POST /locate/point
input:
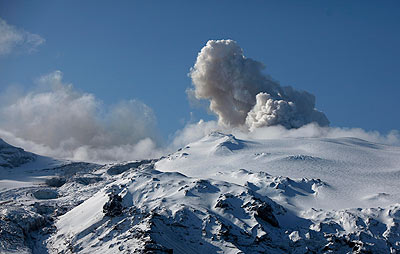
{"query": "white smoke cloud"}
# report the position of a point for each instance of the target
(223, 75)
(12, 38)
(57, 120)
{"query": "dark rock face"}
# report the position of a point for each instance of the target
(264, 212)
(88, 180)
(154, 248)
(120, 168)
(45, 194)
(114, 206)
(55, 181)
(11, 156)
(16, 227)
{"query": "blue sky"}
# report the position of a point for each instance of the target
(344, 52)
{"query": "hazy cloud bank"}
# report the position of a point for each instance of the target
(195, 131)
(57, 120)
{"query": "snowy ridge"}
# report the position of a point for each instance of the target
(11, 157)
(221, 194)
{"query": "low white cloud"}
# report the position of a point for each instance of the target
(313, 130)
(12, 38)
(193, 132)
(57, 120)
(196, 131)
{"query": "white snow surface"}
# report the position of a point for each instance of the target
(220, 194)
(354, 173)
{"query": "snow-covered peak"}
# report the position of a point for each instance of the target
(11, 157)
(221, 143)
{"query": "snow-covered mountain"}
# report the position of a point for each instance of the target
(220, 194)
(11, 156)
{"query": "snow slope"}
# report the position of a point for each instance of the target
(355, 173)
(220, 194)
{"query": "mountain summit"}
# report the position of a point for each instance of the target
(11, 156)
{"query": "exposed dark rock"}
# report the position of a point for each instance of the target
(55, 181)
(45, 194)
(264, 212)
(120, 168)
(221, 204)
(154, 248)
(43, 209)
(16, 227)
(73, 168)
(224, 201)
(114, 206)
(11, 156)
(88, 180)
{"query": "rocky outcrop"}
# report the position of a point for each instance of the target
(11, 157)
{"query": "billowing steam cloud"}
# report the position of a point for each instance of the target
(240, 94)
(57, 120)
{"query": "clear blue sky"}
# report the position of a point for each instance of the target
(347, 53)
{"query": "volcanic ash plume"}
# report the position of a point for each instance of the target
(242, 95)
